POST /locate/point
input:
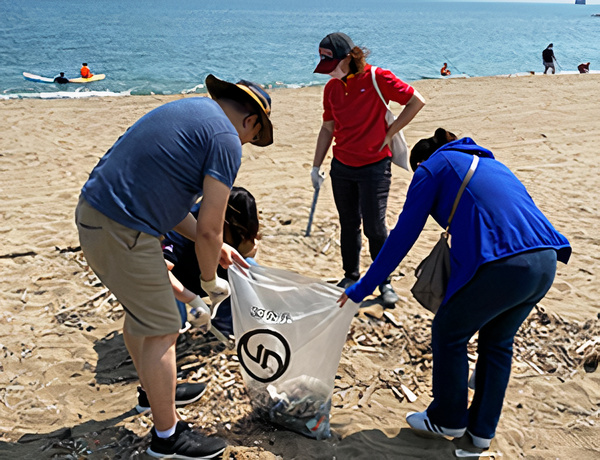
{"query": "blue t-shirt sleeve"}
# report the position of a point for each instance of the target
(419, 200)
(225, 158)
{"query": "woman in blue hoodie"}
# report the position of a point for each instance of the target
(503, 261)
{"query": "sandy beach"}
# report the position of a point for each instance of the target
(67, 388)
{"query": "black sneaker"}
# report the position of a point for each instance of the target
(185, 443)
(185, 393)
(388, 296)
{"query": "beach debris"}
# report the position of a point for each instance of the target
(392, 318)
(301, 404)
(367, 395)
(535, 367)
(398, 393)
(409, 394)
(374, 310)
(461, 453)
(587, 344)
(68, 249)
(14, 255)
(558, 347)
(70, 449)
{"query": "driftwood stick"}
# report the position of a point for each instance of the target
(14, 255)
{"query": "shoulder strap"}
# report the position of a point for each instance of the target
(462, 188)
(373, 69)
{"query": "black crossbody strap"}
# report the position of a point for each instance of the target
(465, 181)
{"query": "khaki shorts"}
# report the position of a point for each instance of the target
(130, 263)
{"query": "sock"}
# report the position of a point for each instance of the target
(167, 433)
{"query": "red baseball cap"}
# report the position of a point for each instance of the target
(332, 49)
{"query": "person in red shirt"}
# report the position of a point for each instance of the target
(85, 71)
(354, 116)
(445, 71)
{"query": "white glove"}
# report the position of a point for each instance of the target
(202, 313)
(317, 177)
(217, 289)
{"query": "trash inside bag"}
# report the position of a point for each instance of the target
(289, 334)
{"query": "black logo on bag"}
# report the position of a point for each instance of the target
(270, 316)
(264, 354)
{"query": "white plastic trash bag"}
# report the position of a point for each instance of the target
(290, 333)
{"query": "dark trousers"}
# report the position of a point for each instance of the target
(361, 195)
(495, 303)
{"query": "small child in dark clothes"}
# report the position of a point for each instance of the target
(240, 231)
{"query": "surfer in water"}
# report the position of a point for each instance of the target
(445, 71)
(85, 71)
(61, 78)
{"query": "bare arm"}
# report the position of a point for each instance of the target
(209, 227)
(182, 293)
(323, 142)
(187, 227)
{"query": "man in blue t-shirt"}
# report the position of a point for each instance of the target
(143, 187)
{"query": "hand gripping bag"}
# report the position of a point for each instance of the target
(289, 334)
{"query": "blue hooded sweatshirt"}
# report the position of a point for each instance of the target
(496, 217)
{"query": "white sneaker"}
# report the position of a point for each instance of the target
(481, 443)
(420, 421)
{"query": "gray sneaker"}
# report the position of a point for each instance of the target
(388, 296)
(481, 443)
(420, 421)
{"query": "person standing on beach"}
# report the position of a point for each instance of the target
(354, 116)
(548, 59)
(145, 186)
(503, 259)
(85, 71)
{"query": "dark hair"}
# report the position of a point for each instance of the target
(426, 147)
(359, 59)
(241, 216)
(85, 63)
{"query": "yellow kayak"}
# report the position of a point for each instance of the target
(96, 77)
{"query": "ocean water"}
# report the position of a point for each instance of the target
(168, 47)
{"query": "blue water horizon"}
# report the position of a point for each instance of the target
(152, 47)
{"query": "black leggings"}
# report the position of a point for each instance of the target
(361, 195)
